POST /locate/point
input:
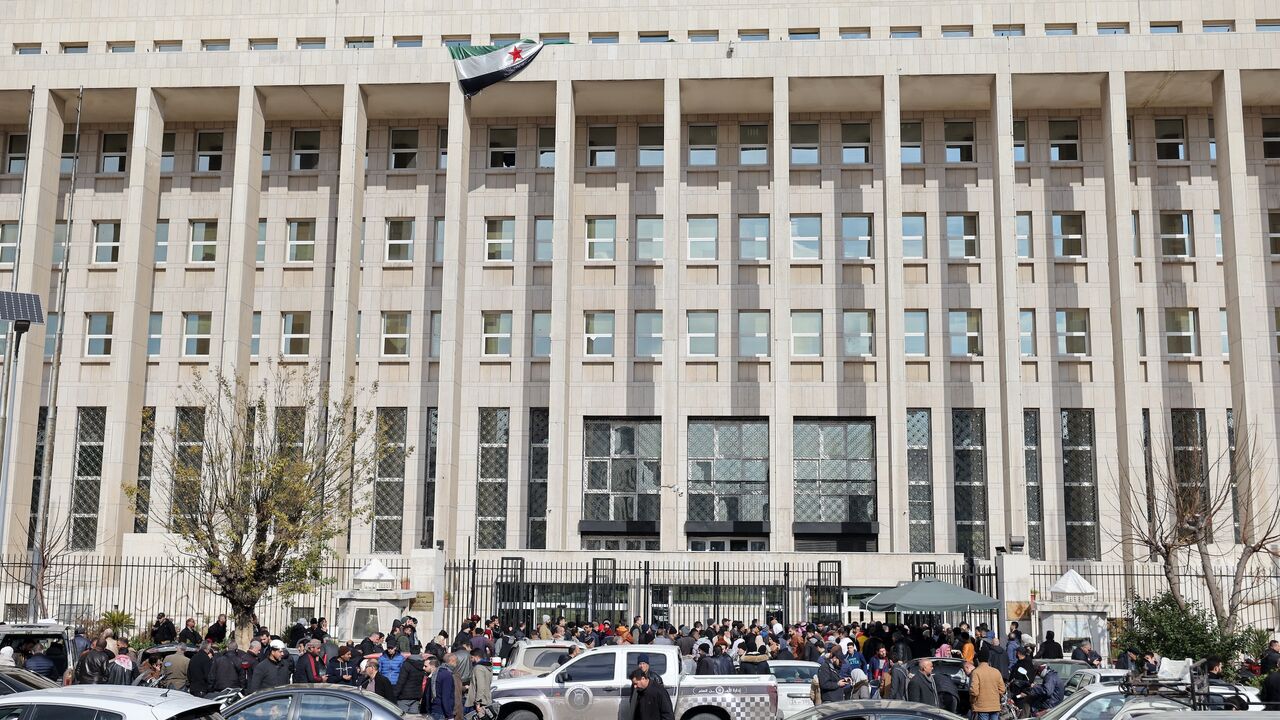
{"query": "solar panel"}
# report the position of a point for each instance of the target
(16, 306)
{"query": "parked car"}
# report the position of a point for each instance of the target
(594, 685)
(1065, 667)
(795, 678)
(1092, 676)
(1105, 702)
(954, 667)
(16, 680)
(109, 702)
(534, 657)
(875, 710)
(303, 702)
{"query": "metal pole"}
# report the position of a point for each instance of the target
(41, 531)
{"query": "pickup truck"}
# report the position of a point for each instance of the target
(594, 686)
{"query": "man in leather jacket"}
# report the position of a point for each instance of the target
(93, 667)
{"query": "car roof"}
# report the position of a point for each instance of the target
(10, 628)
(116, 697)
(547, 643)
(875, 705)
(793, 663)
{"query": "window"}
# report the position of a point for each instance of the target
(500, 236)
(915, 332)
(442, 148)
(75, 48)
(86, 486)
(161, 252)
(435, 334)
(702, 333)
(962, 235)
(155, 329)
(1142, 333)
(1273, 231)
(753, 35)
(404, 148)
(546, 147)
(26, 49)
(1213, 141)
(702, 145)
(855, 33)
(1166, 28)
(728, 470)
(1267, 26)
(599, 334)
(602, 146)
(400, 233)
(542, 239)
(1034, 483)
(957, 31)
(1027, 333)
(806, 333)
(649, 238)
(209, 152)
(16, 154)
(904, 33)
(497, 334)
(306, 150)
(1019, 141)
(1079, 485)
(1008, 31)
(438, 241)
(959, 136)
(204, 241)
(1060, 29)
(1175, 234)
(859, 333)
(395, 334)
(855, 237)
(753, 237)
(1064, 140)
(651, 143)
(359, 43)
(1068, 234)
(1219, 26)
(602, 38)
(1171, 139)
(456, 40)
(1226, 336)
(855, 143)
(302, 240)
(1217, 231)
(648, 334)
(503, 40)
(1022, 233)
(215, 45)
(97, 336)
(106, 242)
(197, 327)
(266, 151)
(753, 144)
(295, 334)
(968, 449)
(834, 470)
(541, 345)
(965, 328)
(264, 44)
(1113, 28)
(50, 334)
(255, 336)
(753, 333)
(261, 250)
(654, 37)
(703, 232)
(600, 236)
(912, 143)
(406, 41)
(491, 488)
(1271, 138)
(59, 243)
(920, 480)
(802, 34)
(804, 143)
(1180, 329)
(702, 36)
(8, 242)
(115, 147)
(1137, 236)
(70, 154)
(502, 147)
(1072, 329)
(313, 43)
(622, 470)
(913, 226)
(806, 237)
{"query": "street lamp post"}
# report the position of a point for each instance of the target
(21, 310)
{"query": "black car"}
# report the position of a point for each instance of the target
(953, 667)
(304, 702)
(16, 680)
(874, 710)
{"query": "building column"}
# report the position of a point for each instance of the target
(44, 156)
(782, 503)
(1009, 358)
(897, 529)
(564, 485)
(246, 197)
(1126, 375)
(673, 449)
(1249, 310)
(451, 524)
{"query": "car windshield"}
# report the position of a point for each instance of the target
(1065, 708)
(794, 673)
(1088, 706)
(26, 677)
(541, 659)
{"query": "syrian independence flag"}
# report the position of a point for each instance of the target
(480, 66)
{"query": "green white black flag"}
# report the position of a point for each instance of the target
(479, 66)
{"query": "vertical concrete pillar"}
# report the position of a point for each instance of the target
(246, 197)
(563, 483)
(673, 457)
(782, 504)
(895, 522)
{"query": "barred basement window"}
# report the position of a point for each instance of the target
(429, 482)
(1235, 482)
(37, 470)
(539, 449)
(920, 480)
(388, 484)
(1191, 464)
(622, 467)
(1035, 483)
(491, 490)
(86, 484)
(835, 470)
(728, 470)
(1079, 484)
(968, 447)
(146, 452)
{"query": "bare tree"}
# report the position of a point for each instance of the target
(52, 564)
(262, 480)
(1206, 513)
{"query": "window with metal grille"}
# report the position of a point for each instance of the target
(728, 470)
(539, 449)
(622, 459)
(1191, 466)
(969, 453)
(919, 480)
(1079, 484)
(86, 484)
(1035, 483)
(37, 471)
(146, 452)
(1235, 482)
(429, 482)
(388, 484)
(491, 490)
(835, 469)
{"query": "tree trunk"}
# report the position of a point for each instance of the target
(243, 616)
(1172, 576)
(1211, 581)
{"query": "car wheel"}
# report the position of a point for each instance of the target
(522, 715)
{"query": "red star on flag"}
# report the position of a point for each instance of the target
(515, 53)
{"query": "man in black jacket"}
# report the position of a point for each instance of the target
(922, 689)
(377, 683)
(371, 645)
(226, 671)
(1085, 652)
(217, 632)
(830, 684)
(162, 630)
(93, 667)
(648, 701)
(274, 671)
(189, 635)
(408, 687)
(311, 665)
(200, 670)
(1050, 649)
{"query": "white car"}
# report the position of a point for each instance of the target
(795, 679)
(1095, 676)
(1108, 702)
(107, 702)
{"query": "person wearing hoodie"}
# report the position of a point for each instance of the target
(408, 686)
(480, 693)
(340, 670)
(226, 671)
(390, 662)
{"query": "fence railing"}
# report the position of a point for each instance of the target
(975, 575)
(81, 588)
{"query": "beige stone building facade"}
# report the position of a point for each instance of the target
(855, 277)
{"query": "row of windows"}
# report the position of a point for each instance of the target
(695, 36)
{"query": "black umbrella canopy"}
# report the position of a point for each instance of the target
(930, 596)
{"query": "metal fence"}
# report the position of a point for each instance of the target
(975, 575)
(81, 588)
(607, 589)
